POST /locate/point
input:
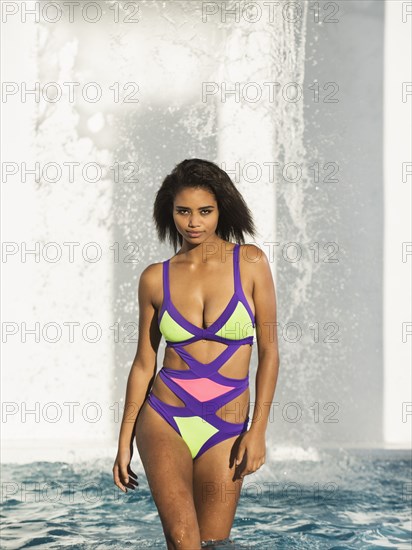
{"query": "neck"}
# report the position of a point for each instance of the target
(212, 248)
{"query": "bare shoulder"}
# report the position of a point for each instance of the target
(260, 273)
(150, 283)
(254, 265)
(151, 271)
(254, 257)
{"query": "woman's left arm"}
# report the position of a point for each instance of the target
(252, 448)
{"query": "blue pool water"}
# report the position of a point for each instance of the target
(331, 500)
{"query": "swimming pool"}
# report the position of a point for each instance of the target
(319, 499)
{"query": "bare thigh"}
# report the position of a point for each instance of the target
(216, 492)
(168, 465)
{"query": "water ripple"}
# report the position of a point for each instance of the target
(367, 505)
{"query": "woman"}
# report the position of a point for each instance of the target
(191, 420)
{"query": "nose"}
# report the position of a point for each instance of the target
(193, 220)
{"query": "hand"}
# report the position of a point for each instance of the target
(251, 453)
(123, 475)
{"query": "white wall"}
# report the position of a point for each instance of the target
(397, 332)
(170, 123)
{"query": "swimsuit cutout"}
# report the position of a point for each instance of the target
(202, 388)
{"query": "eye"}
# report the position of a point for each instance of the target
(183, 211)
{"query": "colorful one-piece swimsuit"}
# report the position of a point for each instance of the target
(202, 388)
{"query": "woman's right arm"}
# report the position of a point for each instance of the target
(141, 376)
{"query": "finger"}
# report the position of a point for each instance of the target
(131, 472)
(240, 455)
(117, 480)
(244, 472)
(133, 478)
(248, 470)
(123, 474)
(132, 483)
(121, 487)
(129, 478)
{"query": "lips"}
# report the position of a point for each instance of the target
(193, 233)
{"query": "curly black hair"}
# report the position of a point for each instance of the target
(235, 218)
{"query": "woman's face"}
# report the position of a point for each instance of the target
(195, 214)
